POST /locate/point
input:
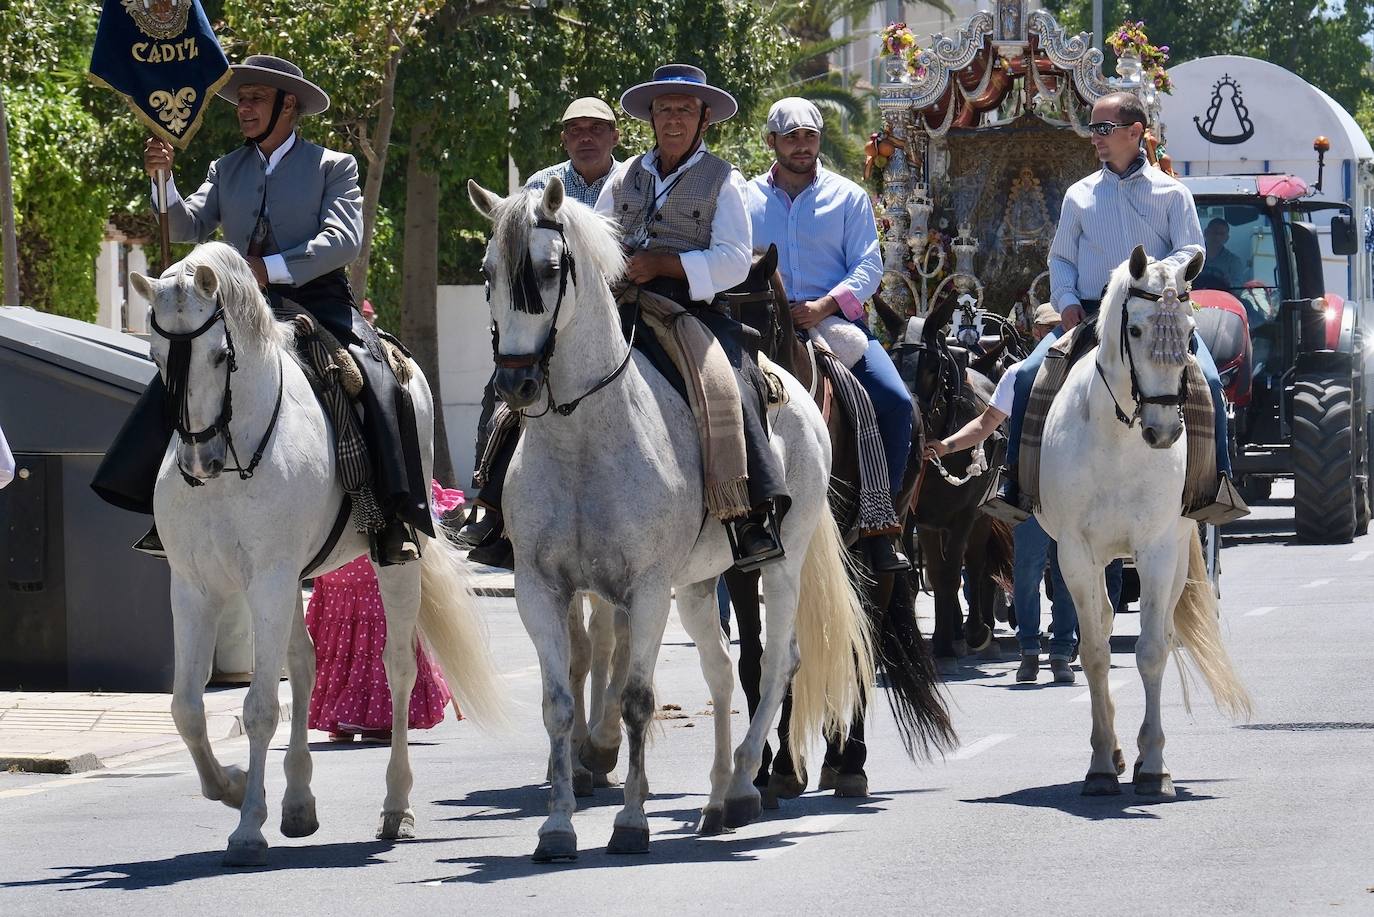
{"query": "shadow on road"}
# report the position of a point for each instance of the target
(1068, 798)
(1259, 531)
(531, 801)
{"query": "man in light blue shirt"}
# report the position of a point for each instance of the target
(827, 239)
(590, 137)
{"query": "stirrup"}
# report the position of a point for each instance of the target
(1000, 506)
(751, 562)
(1227, 506)
(151, 544)
(396, 543)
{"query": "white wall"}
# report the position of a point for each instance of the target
(465, 365)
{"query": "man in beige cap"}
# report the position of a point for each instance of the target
(590, 137)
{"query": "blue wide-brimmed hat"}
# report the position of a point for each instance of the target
(679, 79)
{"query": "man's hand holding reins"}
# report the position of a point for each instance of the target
(809, 314)
(1071, 315)
(646, 266)
(157, 154)
(936, 449)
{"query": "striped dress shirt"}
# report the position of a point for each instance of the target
(1107, 215)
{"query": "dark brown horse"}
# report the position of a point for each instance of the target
(909, 674)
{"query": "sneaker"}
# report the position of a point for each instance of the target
(1029, 670)
(1063, 675)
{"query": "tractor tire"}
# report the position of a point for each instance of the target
(1364, 494)
(1324, 460)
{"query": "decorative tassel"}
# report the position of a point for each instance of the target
(1166, 332)
(728, 500)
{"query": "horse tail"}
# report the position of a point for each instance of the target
(835, 677)
(913, 693)
(452, 627)
(1001, 550)
(1197, 629)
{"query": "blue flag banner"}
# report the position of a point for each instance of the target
(163, 58)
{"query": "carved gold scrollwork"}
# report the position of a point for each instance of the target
(173, 109)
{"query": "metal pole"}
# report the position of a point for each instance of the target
(1097, 24)
(162, 220)
(9, 242)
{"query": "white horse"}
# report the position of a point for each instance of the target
(1113, 492)
(254, 537)
(607, 500)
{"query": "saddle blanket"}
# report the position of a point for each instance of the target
(1199, 420)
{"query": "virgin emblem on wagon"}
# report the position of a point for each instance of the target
(159, 18)
(1208, 127)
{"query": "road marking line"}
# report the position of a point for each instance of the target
(982, 745)
(1112, 685)
(1363, 555)
(1315, 583)
(1262, 610)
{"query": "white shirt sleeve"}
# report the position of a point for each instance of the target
(6, 461)
(1005, 393)
(276, 269)
(172, 194)
(726, 263)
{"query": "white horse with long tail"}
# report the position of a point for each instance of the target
(1117, 492)
(252, 535)
(604, 497)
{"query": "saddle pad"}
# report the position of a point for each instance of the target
(1199, 421)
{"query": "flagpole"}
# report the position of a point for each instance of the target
(162, 219)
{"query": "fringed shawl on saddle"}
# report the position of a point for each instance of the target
(1199, 419)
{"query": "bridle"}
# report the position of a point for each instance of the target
(525, 297)
(178, 411)
(1177, 400)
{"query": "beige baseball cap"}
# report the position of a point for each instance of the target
(1046, 315)
(589, 107)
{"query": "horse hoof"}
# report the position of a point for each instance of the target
(299, 820)
(851, 786)
(556, 847)
(1120, 761)
(946, 665)
(742, 810)
(396, 826)
(768, 799)
(628, 840)
(828, 778)
(787, 786)
(991, 653)
(1101, 785)
(596, 759)
(979, 639)
(583, 784)
(245, 853)
(1154, 785)
(712, 821)
(604, 781)
(960, 648)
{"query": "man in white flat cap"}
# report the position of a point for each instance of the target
(590, 137)
(293, 209)
(827, 239)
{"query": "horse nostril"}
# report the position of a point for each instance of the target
(215, 466)
(1149, 435)
(528, 389)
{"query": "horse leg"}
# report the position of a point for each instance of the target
(581, 647)
(979, 624)
(781, 657)
(544, 612)
(610, 635)
(298, 817)
(1163, 570)
(744, 596)
(701, 617)
(195, 620)
(400, 588)
(1083, 573)
(944, 563)
(273, 597)
(648, 617)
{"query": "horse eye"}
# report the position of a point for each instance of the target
(221, 355)
(1135, 331)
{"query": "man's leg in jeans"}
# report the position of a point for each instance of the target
(1063, 616)
(1209, 370)
(1032, 549)
(1025, 381)
(892, 404)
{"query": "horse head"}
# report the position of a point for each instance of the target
(1145, 323)
(532, 278)
(192, 307)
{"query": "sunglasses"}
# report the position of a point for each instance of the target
(1104, 128)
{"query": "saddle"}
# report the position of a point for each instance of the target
(1200, 483)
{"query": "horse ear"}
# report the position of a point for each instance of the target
(769, 261)
(1193, 268)
(1139, 261)
(938, 318)
(482, 199)
(142, 285)
(553, 197)
(206, 281)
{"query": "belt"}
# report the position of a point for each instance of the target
(1090, 306)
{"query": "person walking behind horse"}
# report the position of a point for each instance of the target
(293, 209)
(827, 239)
(590, 137)
(1033, 548)
(1104, 216)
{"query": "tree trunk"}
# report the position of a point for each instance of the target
(10, 264)
(420, 282)
(375, 150)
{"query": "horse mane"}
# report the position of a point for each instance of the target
(593, 239)
(244, 304)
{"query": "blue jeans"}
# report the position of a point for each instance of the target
(1033, 549)
(1025, 380)
(891, 402)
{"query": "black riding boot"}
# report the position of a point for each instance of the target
(884, 555)
(754, 541)
(396, 543)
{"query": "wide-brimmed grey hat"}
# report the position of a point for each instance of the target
(678, 79)
(266, 70)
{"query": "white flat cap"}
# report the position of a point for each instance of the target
(793, 114)
(589, 107)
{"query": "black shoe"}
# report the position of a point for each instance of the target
(494, 552)
(752, 542)
(151, 544)
(394, 545)
(884, 556)
(475, 531)
(1006, 503)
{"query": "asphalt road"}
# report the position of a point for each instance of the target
(1271, 817)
